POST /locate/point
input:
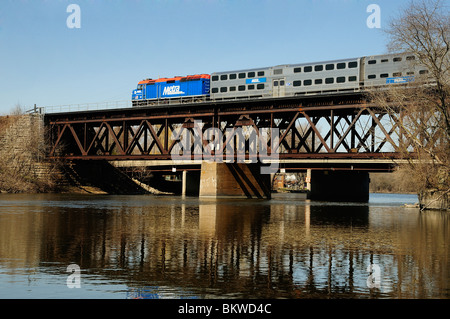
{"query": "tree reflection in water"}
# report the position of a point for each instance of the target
(287, 247)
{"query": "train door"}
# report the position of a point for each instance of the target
(279, 87)
(362, 63)
(144, 91)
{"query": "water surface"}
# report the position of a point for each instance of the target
(172, 247)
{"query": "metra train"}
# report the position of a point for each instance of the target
(330, 77)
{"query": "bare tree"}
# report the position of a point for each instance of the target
(17, 109)
(424, 29)
(421, 108)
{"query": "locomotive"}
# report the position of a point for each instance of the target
(319, 78)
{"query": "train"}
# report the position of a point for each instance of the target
(319, 78)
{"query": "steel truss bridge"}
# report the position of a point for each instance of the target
(323, 132)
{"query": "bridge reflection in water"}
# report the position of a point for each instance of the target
(287, 247)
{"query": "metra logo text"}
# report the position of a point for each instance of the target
(172, 90)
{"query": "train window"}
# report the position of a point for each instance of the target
(372, 76)
(353, 64)
(372, 62)
(318, 81)
(423, 72)
(329, 80)
(384, 60)
(232, 88)
(308, 69)
(397, 74)
(260, 73)
(307, 82)
(260, 86)
(281, 82)
(278, 71)
(233, 76)
(215, 90)
(329, 67)
(410, 73)
(340, 66)
(224, 77)
(215, 78)
(411, 57)
(384, 75)
(171, 81)
(241, 87)
(251, 87)
(251, 74)
(340, 79)
(297, 83)
(297, 70)
(223, 89)
(242, 75)
(352, 78)
(275, 83)
(397, 59)
(318, 68)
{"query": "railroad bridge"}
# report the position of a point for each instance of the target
(233, 147)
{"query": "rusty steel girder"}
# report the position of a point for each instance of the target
(344, 127)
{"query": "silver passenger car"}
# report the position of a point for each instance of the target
(329, 77)
(240, 84)
(288, 80)
(390, 69)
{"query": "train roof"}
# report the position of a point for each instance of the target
(318, 62)
(176, 78)
(286, 65)
(243, 70)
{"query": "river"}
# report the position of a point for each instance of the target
(144, 246)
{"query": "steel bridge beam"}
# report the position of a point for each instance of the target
(331, 127)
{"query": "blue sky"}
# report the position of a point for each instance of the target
(121, 42)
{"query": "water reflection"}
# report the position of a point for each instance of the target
(287, 247)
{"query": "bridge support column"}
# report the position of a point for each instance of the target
(341, 186)
(183, 183)
(237, 180)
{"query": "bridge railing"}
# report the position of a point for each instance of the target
(84, 107)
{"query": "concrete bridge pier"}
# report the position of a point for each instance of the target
(234, 180)
(340, 186)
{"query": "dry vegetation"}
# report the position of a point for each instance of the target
(422, 108)
(396, 182)
(22, 151)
